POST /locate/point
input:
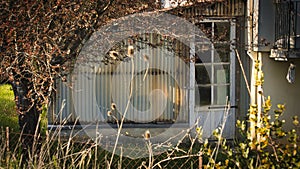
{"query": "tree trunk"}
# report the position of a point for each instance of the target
(28, 119)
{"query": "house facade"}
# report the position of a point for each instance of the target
(276, 43)
(207, 82)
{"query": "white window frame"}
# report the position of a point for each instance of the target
(192, 107)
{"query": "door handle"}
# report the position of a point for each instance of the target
(221, 107)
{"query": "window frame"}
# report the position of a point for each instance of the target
(212, 106)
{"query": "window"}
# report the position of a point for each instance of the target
(214, 66)
(287, 24)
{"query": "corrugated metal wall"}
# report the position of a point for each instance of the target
(61, 109)
(156, 93)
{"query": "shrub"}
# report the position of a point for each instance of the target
(268, 146)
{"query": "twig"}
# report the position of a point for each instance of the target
(200, 161)
(274, 149)
(216, 149)
(243, 71)
(149, 146)
(175, 158)
(177, 149)
(7, 139)
(123, 118)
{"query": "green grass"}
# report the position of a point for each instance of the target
(8, 114)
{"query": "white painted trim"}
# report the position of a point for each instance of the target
(192, 82)
(232, 64)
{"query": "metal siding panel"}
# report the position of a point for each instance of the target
(161, 80)
(62, 111)
(85, 101)
(105, 94)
